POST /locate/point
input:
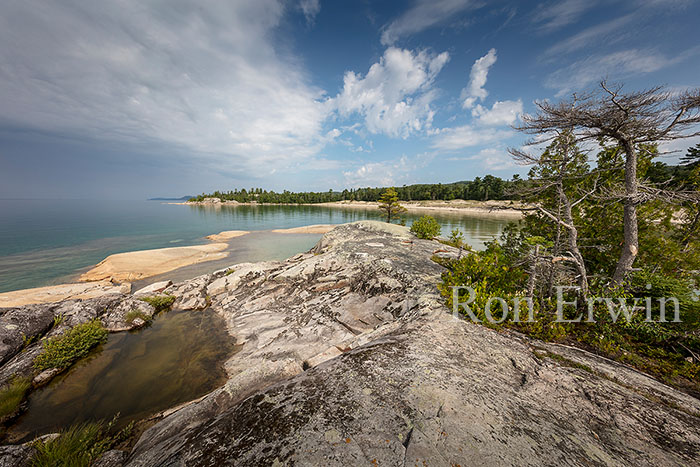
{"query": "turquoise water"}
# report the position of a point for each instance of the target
(44, 242)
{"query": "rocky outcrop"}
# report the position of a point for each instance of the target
(347, 356)
(22, 329)
(60, 293)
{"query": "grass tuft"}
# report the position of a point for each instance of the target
(133, 315)
(12, 395)
(78, 446)
(160, 302)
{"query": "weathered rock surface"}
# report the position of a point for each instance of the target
(59, 293)
(393, 379)
(347, 356)
(153, 289)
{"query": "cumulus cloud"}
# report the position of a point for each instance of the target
(477, 80)
(386, 173)
(422, 15)
(204, 77)
(501, 113)
(394, 96)
(310, 8)
(453, 139)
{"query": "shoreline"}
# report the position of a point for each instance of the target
(115, 273)
(495, 208)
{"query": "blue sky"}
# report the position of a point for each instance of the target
(138, 98)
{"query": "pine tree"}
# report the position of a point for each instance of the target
(389, 202)
(692, 158)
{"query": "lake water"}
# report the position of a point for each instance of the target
(134, 374)
(45, 242)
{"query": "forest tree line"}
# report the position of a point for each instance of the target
(480, 189)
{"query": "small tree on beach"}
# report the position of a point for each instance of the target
(389, 203)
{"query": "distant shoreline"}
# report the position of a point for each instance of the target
(496, 208)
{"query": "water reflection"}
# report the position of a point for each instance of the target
(177, 359)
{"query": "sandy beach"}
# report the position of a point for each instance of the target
(457, 206)
(226, 235)
(307, 229)
(134, 265)
(496, 208)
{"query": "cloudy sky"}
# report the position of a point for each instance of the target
(137, 98)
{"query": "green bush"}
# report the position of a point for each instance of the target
(160, 302)
(11, 396)
(426, 228)
(61, 351)
(661, 349)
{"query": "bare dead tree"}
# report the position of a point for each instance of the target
(555, 166)
(629, 120)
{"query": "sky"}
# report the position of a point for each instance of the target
(133, 99)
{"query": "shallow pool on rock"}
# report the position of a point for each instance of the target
(136, 374)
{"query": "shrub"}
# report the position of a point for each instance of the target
(61, 351)
(160, 302)
(11, 396)
(426, 227)
(666, 350)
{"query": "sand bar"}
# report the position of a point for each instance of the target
(458, 206)
(308, 229)
(226, 235)
(57, 293)
(137, 265)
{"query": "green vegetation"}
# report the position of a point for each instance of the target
(160, 302)
(12, 395)
(61, 351)
(604, 239)
(79, 445)
(389, 203)
(133, 315)
(426, 227)
(480, 189)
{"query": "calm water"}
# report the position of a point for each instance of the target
(45, 242)
(136, 374)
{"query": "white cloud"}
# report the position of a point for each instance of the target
(310, 8)
(501, 113)
(614, 66)
(477, 80)
(555, 15)
(204, 77)
(394, 96)
(422, 15)
(386, 173)
(453, 139)
(608, 32)
(491, 159)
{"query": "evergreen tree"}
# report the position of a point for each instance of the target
(389, 202)
(692, 158)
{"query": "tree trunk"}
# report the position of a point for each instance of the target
(573, 241)
(630, 247)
